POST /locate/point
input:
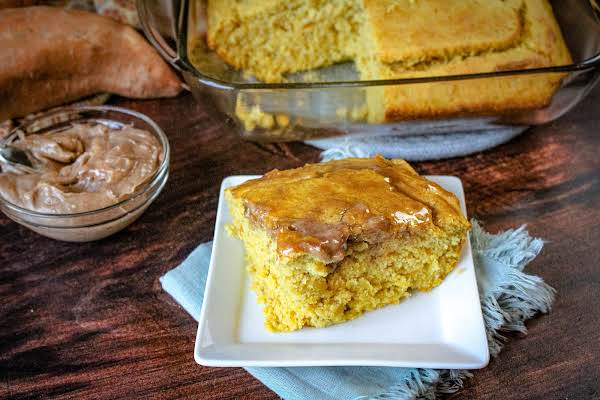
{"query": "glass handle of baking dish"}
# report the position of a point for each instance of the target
(158, 19)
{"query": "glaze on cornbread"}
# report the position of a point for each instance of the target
(327, 242)
(393, 39)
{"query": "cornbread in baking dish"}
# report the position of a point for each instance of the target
(394, 39)
(271, 37)
(326, 242)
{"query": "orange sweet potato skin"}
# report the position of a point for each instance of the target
(50, 56)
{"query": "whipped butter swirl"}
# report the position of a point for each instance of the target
(83, 168)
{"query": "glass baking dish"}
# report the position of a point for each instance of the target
(330, 101)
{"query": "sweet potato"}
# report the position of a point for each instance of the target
(50, 56)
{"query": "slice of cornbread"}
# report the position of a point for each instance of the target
(327, 242)
(394, 39)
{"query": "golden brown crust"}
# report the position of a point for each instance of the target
(471, 98)
(413, 31)
(540, 45)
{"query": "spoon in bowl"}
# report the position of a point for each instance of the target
(17, 159)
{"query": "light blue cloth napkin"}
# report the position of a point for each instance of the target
(508, 298)
(415, 147)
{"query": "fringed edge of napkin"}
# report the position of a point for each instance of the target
(505, 309)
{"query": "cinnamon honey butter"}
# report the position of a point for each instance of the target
(367, 200)
(83, 168)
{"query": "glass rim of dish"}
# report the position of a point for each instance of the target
(152, 195)
(179, 58)
(156, 178)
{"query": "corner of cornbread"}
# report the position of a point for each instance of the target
(327, 242)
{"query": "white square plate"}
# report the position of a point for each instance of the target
(442, 328)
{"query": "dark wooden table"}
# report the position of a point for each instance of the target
(91, 321)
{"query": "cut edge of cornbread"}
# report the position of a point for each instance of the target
(300, 290)
(240, 32)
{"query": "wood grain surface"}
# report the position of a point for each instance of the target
(90, 320)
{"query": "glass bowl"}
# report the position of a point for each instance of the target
(330, 101)
(95, 224)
